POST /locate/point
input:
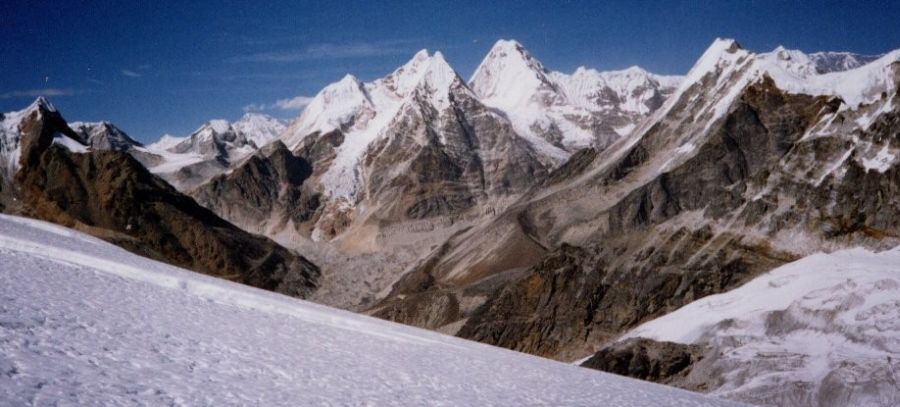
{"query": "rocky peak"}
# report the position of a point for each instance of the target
(41, 104)
(220, 139)
(26, 133)
(104, 136)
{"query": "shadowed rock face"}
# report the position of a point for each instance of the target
(112, 196)
(266, 188)
(645, 359)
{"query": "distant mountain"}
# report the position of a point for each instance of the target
(562, 113)
(816, 63)
(401, 163)
(104, 136)
(187, 162)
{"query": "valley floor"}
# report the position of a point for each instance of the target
(84, 322)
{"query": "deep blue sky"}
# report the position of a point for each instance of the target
(153, 67)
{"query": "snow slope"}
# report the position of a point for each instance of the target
(84, 322)
(823, 329)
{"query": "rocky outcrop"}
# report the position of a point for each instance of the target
(112, 196)
(646, 359)
(104, 136)
(265, 191)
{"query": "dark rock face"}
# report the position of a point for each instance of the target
(114, 197)
(645, 359)
(457, 158)
(111, 195)
(105, 136)
(269, 183)
(38, 131)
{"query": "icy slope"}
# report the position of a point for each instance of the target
(85, 322)
(824, 329)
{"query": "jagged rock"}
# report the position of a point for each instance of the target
(266, 190)
(646, 359)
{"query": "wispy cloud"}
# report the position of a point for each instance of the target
(294, 103)
(327, 51)
(131, 74)
(33, 93)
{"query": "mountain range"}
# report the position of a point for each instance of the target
(561, 215)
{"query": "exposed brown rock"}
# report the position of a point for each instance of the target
(646, 359)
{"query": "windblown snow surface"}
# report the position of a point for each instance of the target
(87, 323)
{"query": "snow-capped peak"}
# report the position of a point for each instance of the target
(259, 129)
(41, 104)
(431, 71)
(721, 51)
(509, 75)
(802, 64)
(217, 125)
(334, 107)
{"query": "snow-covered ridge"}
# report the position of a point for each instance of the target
(827, 320)
(572, 111)
(725, 69)
(365, 108)
(86, 322)
(362, 111)
(216, 139)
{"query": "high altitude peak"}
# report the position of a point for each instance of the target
(508, 45)
(218, 125)
(42, 104)
(349, 78)
(726, 44)
(635, 70)
(348, 85)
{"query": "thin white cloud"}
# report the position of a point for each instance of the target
(294, 103)
(32, 93)
(327, 51)
(131, 74)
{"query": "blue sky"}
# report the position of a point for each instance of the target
(155, 67)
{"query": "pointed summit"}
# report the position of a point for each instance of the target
(41, 104)
(432, 71)
(722, 51)
(510, 74)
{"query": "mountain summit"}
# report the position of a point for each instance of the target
(561, 113)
